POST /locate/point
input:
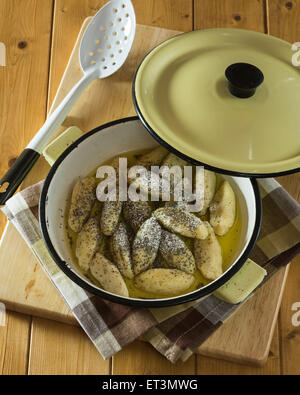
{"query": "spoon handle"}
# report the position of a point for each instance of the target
(55, 119)
(18, 171)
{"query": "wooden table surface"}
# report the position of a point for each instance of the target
(39, 36)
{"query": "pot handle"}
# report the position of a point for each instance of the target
(63, 141)
(242, 284)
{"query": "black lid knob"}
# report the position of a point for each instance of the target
(243, 79)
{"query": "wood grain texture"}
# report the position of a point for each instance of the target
(244, 338)
(283, 18)
(25, 27)
(141, 358)
(290, 334)
(240, 14)
(14, 344)
(28, 291)
(208, 366)
(62, 349)
(169, 14)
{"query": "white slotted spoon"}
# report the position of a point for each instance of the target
(104, 48)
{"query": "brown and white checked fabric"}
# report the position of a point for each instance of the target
(174, 331)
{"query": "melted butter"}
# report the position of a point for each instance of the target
(229, 242)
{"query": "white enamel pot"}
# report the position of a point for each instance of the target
(113, 139)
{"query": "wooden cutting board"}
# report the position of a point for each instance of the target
(24, 287)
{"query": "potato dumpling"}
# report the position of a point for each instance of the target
(82, 200)
(222, 209)
(145, 245)
(88, 242)
(173, 160)
(108, 275)
(206, 181)
(177, 220)
(176, 253)
(161, 281)
(147, 184)
(121, 251)
(208, 255)
(153, 158)
(110, 215)
(136, 213)
(179, 204)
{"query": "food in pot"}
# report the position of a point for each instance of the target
(149, 249)
(145, 181)
(83, 198)
(167, 282)
(108, 275)
(110, 216)
(170, 161)
(223, 209)
(181, 221)
(115, 164)
(88, 242)
(145, 245)
(180, 204)
(208, 255)
(121, 251)
(176, 253)
(173, 160)
(153, 158)
(136, 213)
(207, 181)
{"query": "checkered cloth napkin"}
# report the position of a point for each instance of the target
(176, 332)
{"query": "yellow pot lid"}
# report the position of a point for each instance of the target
(182, 96)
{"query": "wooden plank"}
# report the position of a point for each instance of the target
(62, 350)
(207, 366)
(283, 22)
(28, 291)
(25, 27)
(141, 358)
(234, 14)
(289, 333)
(25, 30)
(14, 344)
(246, 337)
(283, 19)
(169, 14)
